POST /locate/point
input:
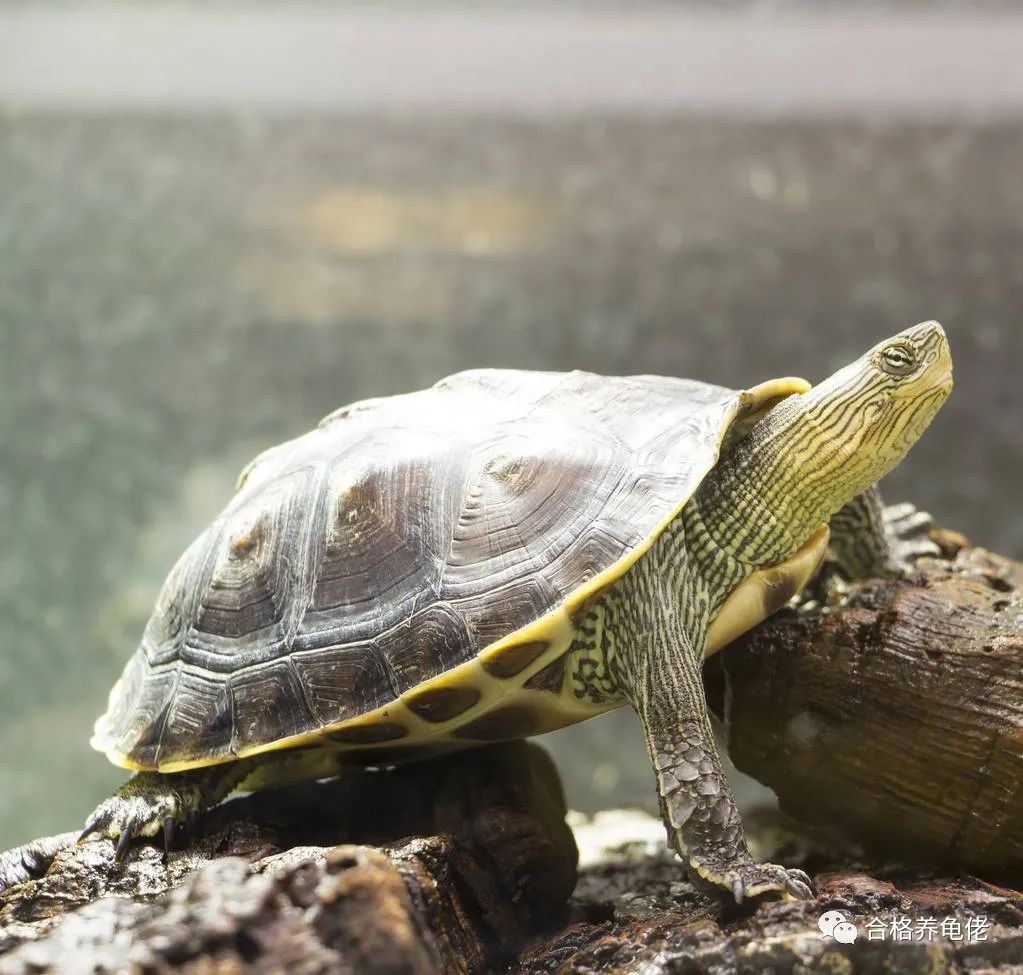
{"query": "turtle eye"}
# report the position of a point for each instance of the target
(898, 360)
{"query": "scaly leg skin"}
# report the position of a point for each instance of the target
(908, 531)
(700, 815)
(869, 540)
(151, 802)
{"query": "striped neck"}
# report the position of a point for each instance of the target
(815, 451)
(771, 491)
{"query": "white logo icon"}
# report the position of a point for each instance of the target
(833, 924)
(845, 933)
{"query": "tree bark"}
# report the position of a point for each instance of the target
(632, 914)
(439, 866)
(896, 718)
(899, 717)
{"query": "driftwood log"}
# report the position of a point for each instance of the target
(441, 866)
(897, 718)
(632, 913)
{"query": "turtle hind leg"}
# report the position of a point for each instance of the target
(868, 539)
(153, 802)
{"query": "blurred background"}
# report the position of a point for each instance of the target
(218, 222)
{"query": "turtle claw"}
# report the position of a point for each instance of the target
(799, 884)
(145, 806)
(122, 845)
(168, 836)
(748, 879)
(94, 826)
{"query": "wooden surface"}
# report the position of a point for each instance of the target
(898, 717)
(441, 866)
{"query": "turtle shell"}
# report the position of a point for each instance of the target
(384, 576)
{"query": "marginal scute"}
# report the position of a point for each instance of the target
(528, 598)
(550, 678)
(369, 734)
(342, 682)
(150, 695)
(511, 721)
(514, 659)
(268, 704)
(429, 643)
(200, 719)
(440, 704)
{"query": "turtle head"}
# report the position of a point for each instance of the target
(861, 421)
(815, 451)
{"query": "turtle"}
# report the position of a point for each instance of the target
(503, 554)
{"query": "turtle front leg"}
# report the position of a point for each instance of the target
(869, 540)
(699, 812)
